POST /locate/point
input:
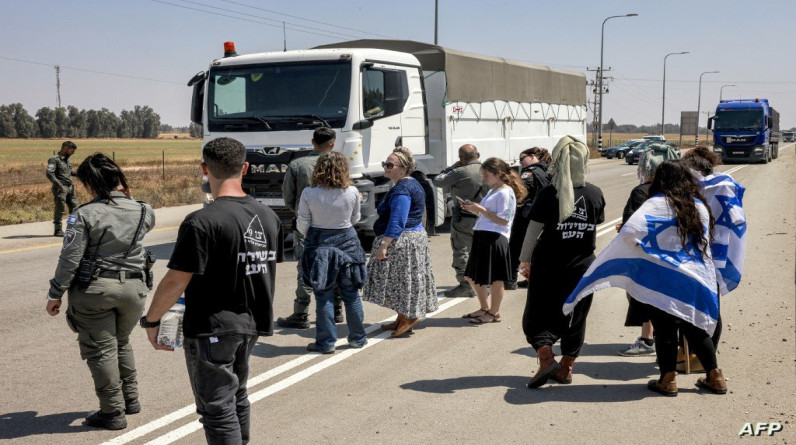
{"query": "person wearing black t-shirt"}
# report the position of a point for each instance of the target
(558, 249)
(224, 260)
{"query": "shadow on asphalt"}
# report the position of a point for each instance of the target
(28, 423)
(518, 394)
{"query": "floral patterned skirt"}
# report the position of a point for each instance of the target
(404, 281)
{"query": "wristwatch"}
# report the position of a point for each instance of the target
(148, 324)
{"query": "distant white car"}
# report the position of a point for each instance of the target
(654, 138)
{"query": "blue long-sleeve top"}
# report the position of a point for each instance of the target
(401, 210)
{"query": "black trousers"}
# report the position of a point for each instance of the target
(218, 368)
(666, 330)
(543, 322)
(518, 228)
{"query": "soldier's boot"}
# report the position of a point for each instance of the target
(109, 421)
(294, 321)
(463, 290)
(58, 231)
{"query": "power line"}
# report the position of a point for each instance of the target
(718, 81)
(247, 20)
(92, 71)
(280, 22)
(308, 20)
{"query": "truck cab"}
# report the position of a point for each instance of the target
(745, 130)
(272, 103)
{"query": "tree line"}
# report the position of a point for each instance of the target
(71, 122)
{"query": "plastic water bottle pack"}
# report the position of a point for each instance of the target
(170, 333)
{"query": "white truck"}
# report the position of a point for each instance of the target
(379, 94)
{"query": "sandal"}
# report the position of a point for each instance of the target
(494, 318)
(472, 316)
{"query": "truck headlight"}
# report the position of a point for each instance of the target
(759, 149)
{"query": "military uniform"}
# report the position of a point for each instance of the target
(104, 313)
(462, 181)
(297, 178)
(59, 172)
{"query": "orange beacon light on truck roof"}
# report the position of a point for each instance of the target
(229, 49)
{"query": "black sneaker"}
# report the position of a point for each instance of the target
(110, 421)
(313, 347)
(295, 321)
(338, 315)
(132, 407)
(523, 284)
(510, 285)
(58, 233)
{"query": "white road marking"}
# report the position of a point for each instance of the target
(194, 426)
(628, 174)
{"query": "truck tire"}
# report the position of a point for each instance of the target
(775, 154)
(767, 157)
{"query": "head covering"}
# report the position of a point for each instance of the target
(651, 158)
(568, 169)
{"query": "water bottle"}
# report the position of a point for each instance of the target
(170, 333)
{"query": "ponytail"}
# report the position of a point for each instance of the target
(101, 175)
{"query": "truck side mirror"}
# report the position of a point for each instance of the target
(710, 122)
(363, 124)
(197, 99)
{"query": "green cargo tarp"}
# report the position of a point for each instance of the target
(478, 78)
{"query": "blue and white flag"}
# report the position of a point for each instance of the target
(725, 198)
(648, 260)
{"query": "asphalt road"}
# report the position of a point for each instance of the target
(448, 382)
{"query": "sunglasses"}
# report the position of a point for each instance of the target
(388, 165)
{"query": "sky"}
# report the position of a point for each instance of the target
(116, 54)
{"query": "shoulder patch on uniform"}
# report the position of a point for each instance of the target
(50, 167)
(69, 237)
(526, 175)
(71, 220)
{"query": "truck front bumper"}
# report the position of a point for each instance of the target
(741, 154)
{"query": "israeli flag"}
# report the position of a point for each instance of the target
(725, 198)
(648, 260)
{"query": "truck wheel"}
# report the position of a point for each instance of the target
(767, 157)
(775, 155)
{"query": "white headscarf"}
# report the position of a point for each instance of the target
(568, 169)
(651, 158)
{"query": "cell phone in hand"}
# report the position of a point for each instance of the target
(461, 201)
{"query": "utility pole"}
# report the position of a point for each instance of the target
(600, 87)
(58, 85)
(284, 38)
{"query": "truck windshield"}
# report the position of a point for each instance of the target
(278, 96)
(739, 120)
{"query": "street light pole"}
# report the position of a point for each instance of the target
(600, 80)
(436, 20)
(663, 101)
(699, 103)
(721, 90)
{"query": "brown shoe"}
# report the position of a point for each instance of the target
(666, 385)
(564, 375)
(405, 325)
(392, 325)
(713, 382)
(548, 366)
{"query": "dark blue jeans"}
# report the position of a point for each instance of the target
(218, 368)
(326, 330)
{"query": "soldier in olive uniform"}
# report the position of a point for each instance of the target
(110, 228)
(59, 172)
(297, 178)
(462, 180)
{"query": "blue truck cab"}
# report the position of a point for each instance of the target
(745, 130)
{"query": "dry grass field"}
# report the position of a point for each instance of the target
(162, 172)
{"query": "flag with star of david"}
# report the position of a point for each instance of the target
(648, 260)
(725, 198)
